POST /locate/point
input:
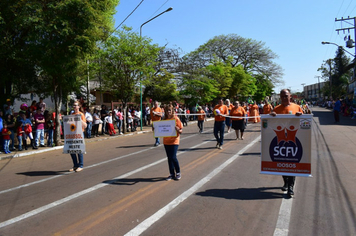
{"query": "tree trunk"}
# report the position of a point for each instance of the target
(57, 105)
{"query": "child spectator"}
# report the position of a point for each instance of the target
(109, 124)
(6, 137)
(10, 121)
(20, 132)
(27, 128)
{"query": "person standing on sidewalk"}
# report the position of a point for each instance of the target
(156, 114)
(219, 124)
(171, 144)
(337, 109)
(89, 119)
(287, 107)
(78, 158)
(39, 122)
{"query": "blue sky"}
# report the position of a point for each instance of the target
(293, 30)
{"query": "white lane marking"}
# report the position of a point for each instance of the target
(87, 167)
(144, 225)
(88, 190)
(282, 226)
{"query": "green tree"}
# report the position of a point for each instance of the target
(17, 64)
(221, 73)
(243, 84)
(336, 72)
(61, 34)
(198, 88)
(252, 55)
(128, 60)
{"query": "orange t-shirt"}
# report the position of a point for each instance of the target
(267, 109)
(291, 109)
(202, 116)
(240, 111)
(230, 107)
(83, 118)
(157, 110)
(173, 140)
(223, 111)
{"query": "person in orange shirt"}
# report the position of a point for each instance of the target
(267, 108)
(238, 124)
(171, 144)
(287, 107)
(201, 119)
(254, 112)
(78, 158)
(219, 124)
(156, 114)
(227, 119)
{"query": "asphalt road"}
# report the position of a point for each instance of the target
(122, 189)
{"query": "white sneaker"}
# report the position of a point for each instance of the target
(178, 176)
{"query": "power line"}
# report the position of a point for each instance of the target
(126, 18)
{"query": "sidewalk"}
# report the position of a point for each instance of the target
(31, 151)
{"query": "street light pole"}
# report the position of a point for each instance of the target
(339, 47)
(169, 9)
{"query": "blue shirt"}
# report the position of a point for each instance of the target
(1, 124)
(337, 106)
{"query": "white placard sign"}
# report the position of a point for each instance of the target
(164, 128)
(73, 135)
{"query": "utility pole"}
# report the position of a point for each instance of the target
(350, 43)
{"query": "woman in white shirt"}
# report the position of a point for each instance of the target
(96, 119)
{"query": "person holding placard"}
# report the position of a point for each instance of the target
(78, 158)
(287, 107)
(171, 144)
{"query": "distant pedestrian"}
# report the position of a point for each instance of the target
(220, 111)
(337, 109)
(227, 119)
(201, 118)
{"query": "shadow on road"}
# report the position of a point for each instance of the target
(133, 181)
(42, 173)
(244, 193)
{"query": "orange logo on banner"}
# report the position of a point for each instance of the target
(286, 134)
